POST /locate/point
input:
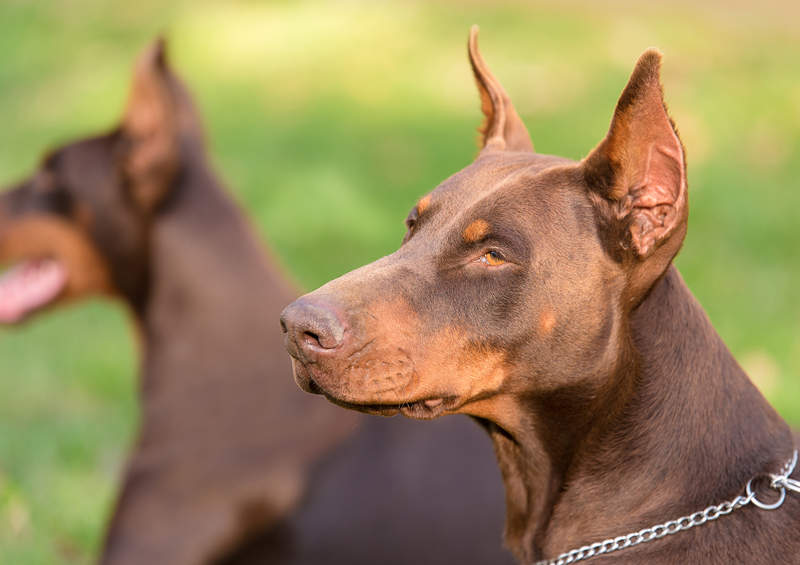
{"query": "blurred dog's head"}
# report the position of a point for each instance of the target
(79, 224)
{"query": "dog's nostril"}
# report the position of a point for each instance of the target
(312, 339)
(284, 329)
(320, 340)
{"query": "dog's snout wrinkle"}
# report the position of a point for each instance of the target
(359, 350)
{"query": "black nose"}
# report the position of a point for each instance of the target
(312, 328)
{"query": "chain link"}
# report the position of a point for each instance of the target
(780, 482)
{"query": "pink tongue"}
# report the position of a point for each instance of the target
(29, 286)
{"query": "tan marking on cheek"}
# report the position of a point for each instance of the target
(423, 204)
(547, 321)
(486, 369)
(399, 361)
(503, 409)
(40, 237)
(453, 366)
(475, 231)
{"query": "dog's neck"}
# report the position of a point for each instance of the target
(680, 428)
(209, 277)
(211, 339)
(225, 434)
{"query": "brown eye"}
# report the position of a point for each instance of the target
(411, 221)
(492, 259)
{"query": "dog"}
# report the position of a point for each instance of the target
(232, 463)
(537, 295)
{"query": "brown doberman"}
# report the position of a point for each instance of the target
(537, 295)
(233, 464)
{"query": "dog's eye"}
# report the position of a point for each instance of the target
(412, 218)
(492, 258)
(411, 222)
(409, 232)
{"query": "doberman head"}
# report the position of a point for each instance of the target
(515, 275)
(79, 225)
(511, 295)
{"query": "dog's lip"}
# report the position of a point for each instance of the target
(422, 409)
(303, 377)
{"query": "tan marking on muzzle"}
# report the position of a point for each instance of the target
(414, 365)
(475, 231)
(378, 368)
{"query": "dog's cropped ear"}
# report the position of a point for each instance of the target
(502, 128)
(639, 169)
(159, 115)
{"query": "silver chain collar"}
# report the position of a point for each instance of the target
(780, 482)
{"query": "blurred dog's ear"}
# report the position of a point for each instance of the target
(152, 153)
(640, 166)
(502, 128)
(158, 118)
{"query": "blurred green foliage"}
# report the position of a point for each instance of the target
(328, 120)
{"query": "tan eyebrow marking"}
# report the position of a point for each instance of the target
(423, 204)
(475, 231)
(547, 321)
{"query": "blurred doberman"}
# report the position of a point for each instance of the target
(537, 294)
(233, 464)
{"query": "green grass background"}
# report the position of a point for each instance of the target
(328, 120)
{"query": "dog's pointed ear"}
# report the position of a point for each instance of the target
(158, 116)
(640, 166)
(502, 128)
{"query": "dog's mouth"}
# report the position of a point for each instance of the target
(30, 286)
(426, 409)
